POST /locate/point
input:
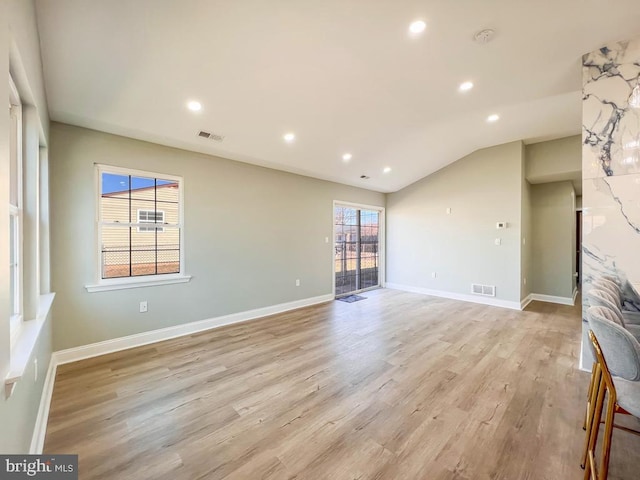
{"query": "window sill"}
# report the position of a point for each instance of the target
(25, 343)
(121, 284)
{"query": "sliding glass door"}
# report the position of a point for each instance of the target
(357, 252)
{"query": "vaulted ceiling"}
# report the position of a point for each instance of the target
(345, 76)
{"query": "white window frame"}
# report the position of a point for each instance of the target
(105, 284)
(15, 209)
(151, 229)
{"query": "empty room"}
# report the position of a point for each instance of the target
(320, 239)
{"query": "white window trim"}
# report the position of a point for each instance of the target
(15, 109)
(24, 333)
(156, 212)
(107, 284)
(26, 342)
(15, 320)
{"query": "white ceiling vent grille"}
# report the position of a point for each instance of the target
(211, 136)
(486, 290)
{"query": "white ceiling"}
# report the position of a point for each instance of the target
(344, 75)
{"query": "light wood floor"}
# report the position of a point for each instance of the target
(398, 386)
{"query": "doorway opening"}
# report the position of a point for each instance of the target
(357, 240)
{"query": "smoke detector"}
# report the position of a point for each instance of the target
(211, 136)
(484, 36)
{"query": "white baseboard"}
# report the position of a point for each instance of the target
(495, 302)
(153, 336)
(581, 363)
(525, 301)
(553, 299)
(40, 428)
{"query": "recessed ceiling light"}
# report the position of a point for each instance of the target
(346, 157)
(465, 86)
(417, 27)
(493, 118)
(194, 106)
(289, 137)
(386, 169)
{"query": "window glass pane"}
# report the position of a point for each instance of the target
(140, 186)
(168, 191)
(143, 260)
(116, 259)
(114, 183)
(114, 202)
(169, 201)
(171, 212)
(143, 196)
(14, 152)
(169, 250)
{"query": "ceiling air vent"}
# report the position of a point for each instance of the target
(486, 290)
(211, 136)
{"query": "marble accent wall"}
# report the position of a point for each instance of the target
(610, 171)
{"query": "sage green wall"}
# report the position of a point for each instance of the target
(526, 280)
(19, 42)
(555, 160)
(249, 233)
(553, 231)
(481, 189)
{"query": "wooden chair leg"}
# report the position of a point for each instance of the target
(594, 387)
(593, 434)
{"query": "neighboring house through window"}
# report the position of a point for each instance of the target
(151, 216)
(140, 223)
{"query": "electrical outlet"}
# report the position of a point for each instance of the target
(297, 282)
(498, 241)
(524, 280)
(434, 274)
(448, 211)
(143, 306)
(35, 369)
(326, 239)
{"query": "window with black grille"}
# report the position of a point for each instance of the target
(140, 224)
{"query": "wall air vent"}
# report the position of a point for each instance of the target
(211, 136)
(486, 290)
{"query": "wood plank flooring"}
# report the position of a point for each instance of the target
(398, 386)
